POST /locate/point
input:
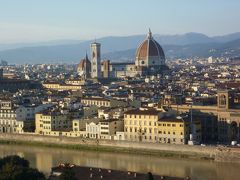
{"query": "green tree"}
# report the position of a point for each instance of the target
(17, 168)
(150, 176)
(13, 160)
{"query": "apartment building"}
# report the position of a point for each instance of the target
(52, 122)
(18, 119)
(100, 102)
(109, 128)
(103, 102)
(141, 124)
(151, 125)
(61, 87)
(8, 120)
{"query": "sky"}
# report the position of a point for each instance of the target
(46, 20)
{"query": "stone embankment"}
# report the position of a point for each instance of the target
(222, 154)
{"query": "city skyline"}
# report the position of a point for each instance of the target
(29, 21)
(130, 89)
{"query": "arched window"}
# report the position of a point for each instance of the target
(222, 100)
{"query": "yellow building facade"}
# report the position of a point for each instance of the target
(62, 87)
(150, 125)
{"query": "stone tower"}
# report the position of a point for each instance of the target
(96, 60)
(225, 99)
(106, 68)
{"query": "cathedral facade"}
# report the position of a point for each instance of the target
(149, 60)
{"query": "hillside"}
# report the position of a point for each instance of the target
(123, 48)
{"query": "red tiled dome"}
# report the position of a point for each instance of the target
(149, 48)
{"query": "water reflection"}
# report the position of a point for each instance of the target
(44, 158)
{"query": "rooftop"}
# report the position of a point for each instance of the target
(147, 111)
(107, 174)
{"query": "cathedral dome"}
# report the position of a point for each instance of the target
(150, 53)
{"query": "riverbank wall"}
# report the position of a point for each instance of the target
(222, 154)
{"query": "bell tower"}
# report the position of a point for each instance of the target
(225, 99)
(96, 59)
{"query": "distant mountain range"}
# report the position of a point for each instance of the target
(121, 48)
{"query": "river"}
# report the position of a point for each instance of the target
(44, 158)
